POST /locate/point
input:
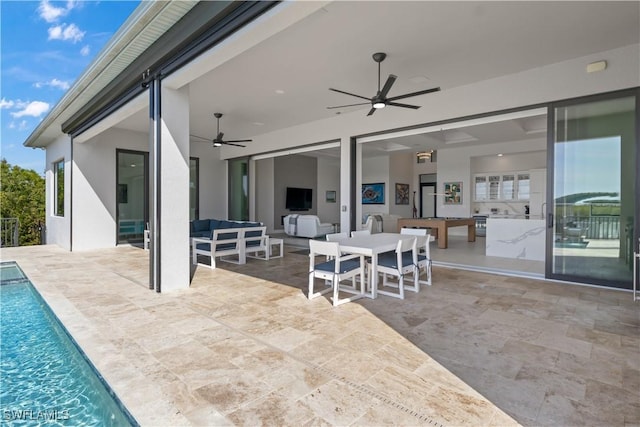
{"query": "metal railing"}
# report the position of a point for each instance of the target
(595, 227)
(9, 232)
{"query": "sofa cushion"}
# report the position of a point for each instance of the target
(214, 223)
(200, 225)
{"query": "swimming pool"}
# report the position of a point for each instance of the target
(45, 377)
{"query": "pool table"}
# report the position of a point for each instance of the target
(440, 227)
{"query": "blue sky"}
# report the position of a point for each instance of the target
(45, 46)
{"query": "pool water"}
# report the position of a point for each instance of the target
(46, 380)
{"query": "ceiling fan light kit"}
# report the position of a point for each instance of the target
(380, 100)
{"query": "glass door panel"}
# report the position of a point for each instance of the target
(132, 201)
(239, 189)
(593, 193)
(194, 188)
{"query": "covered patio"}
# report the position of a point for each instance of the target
(243, 345)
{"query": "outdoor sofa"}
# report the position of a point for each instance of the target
(231, 241)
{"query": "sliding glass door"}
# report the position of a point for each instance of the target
(239, 189)
(132, 195)
(592, 220)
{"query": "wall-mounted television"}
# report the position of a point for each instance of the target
(298, 199)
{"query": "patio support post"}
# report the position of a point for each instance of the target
(170, 190)
(346, 166)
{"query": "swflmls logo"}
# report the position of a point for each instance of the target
(30, 414)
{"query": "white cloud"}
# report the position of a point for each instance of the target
(59, 84)
(23, 125)
(51, 13)
(66, 32)
(85, 51)
(55, 83)
(33, 109)
(6, 104)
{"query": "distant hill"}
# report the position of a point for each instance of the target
(594, 197)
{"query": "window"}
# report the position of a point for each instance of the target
(508, 187)
(523, 186)
(58, 190)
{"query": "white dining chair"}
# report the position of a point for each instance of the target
(338, 268)
(335, 236)
(399, 263)
(365, 232)
(424, 253)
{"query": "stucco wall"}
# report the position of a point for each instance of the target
(94, 187)
(401, 172)
(58, 227)
(213, 180)
(328, 180)
(94, 199)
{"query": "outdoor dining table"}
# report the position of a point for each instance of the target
(371, 245)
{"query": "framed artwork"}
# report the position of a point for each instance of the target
(402, 194)
(453, 193)
(123, 196)
(330, 196)
(373, 194)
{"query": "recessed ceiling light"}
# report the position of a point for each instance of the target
(258, 124)
(500, 154)
(279, 91)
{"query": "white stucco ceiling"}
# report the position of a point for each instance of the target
(284, 80)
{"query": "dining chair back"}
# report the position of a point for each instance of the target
(424, 253)
(364, 232)
(335, 236)
(334, 269)
(399, 263)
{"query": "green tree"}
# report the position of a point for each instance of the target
(22, 196)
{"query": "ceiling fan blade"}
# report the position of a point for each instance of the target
(199, 137)
(373, 110)
(350, 105)
(347, 93)
(387, 85)
(408, 95)
(237, 140)
(396, 104)
(231, 143)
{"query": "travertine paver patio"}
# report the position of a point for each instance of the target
(246, 347)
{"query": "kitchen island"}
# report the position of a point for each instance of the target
(516, 238)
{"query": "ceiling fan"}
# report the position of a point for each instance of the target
(380, 100)
(218, 141)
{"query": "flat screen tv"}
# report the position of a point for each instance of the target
(298, 199)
